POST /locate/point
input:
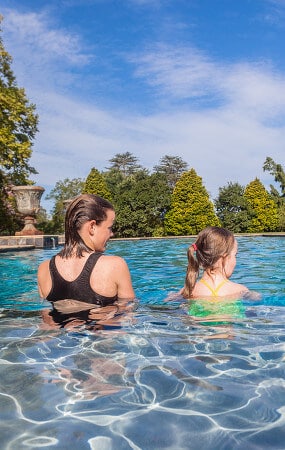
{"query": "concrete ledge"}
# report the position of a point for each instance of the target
(28, 242)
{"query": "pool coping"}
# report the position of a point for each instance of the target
(20, 243)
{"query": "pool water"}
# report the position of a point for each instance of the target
(160, 380)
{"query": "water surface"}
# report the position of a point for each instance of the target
(161, 380)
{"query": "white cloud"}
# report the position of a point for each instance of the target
(256, 89)
(34, 31)
(186, 73)
(179, 72)
(222, 145)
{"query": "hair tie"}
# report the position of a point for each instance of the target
(195, 247)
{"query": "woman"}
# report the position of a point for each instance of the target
(81, 272)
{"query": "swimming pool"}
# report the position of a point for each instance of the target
(160, 381)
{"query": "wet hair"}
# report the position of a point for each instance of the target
(211, 244)
(82, 208)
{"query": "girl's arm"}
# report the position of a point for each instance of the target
(251, 295)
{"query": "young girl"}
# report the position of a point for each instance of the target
(214, 252)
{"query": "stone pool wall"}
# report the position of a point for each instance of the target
(14, 243)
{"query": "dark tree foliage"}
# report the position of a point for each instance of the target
(126, 163)
(9, 219)
(232, 208)
(140, 202)
(279, 175)
(63, 192)
(113, 178)
(279, 197)
(172, 167)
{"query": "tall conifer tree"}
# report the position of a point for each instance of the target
(191, 208)
(262, 206)
(95, 184)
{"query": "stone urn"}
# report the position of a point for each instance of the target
(28, 204)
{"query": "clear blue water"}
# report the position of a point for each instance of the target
(160, 381)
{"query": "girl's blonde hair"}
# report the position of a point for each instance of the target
(211, 244)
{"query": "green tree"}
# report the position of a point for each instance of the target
(232, 208)
(62, 192)
(140, 203)
(96, 184)
(191, 208)
(279, 197)
(126, 163)
(113, 178)
(279, 175)
(9, 219)
(18, 126)
(264, 209)
(281, 218)
(172, 167)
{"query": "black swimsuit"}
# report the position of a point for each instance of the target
(78, 289)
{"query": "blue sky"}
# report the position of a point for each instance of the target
(199, 79)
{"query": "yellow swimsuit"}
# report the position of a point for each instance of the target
(201, 308)
(214, 291)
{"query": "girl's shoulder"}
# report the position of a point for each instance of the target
(222, 289)
(240, 291)
(236, 287)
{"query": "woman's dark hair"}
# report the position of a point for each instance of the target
(82, 208)
(211, 244)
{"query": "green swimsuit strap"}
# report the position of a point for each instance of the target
(214, 291)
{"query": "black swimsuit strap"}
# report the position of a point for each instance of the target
(91, 261)
(86, 269)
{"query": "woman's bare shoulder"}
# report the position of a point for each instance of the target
(112, 263)
(112, 260)
(44, 265)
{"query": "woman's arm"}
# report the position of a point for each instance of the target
(123, 280)
(44, 280)
(111, 276)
